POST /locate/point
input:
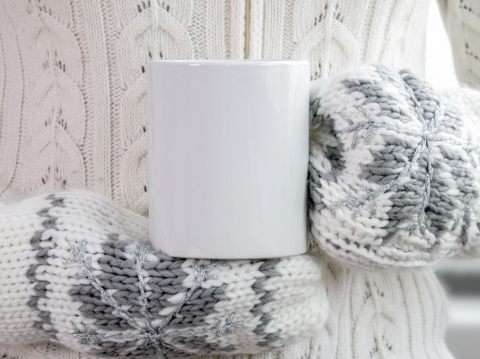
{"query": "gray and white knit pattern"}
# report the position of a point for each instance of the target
(394, 171)
(72, 273)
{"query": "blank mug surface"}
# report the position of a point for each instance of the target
(228, 157)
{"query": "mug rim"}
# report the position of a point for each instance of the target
(245, 62)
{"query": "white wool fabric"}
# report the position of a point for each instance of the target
(72, 273)
(394, 171)
(73, 116)
(462, 22)
(73, 82)
(282, 301)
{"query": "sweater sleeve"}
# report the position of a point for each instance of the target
(394, 170)
(72, 272)
(467, 101)
(462, 23)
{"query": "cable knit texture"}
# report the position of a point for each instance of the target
(73, 115)
(394, 171)
(72, 273)
(462, 22)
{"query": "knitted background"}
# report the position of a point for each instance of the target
(462, 19)
(73, 82)
(74, 116)
(394, 171)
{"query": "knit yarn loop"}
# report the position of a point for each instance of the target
(394, 171)
(73, 274)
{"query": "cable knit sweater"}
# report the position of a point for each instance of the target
(73, 116)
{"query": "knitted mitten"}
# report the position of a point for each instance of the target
(70, 272)
(394, 171)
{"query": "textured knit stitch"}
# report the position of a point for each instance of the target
(74, 114)
(395, 171)
(36, 270)
(116, 38)
(92, 288)
(375, 314)
(462, 22)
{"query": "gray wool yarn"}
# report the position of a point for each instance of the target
(394, 171)
(72, 273)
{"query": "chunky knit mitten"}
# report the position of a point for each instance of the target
(394, 171)
(70, 272)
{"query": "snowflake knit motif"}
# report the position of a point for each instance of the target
(394, 175)
(148, 333)
(82, 280)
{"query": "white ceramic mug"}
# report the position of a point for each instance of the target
(228, 157)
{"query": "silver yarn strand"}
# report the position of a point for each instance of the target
(427, 136)
(149, 334)
(418, 219)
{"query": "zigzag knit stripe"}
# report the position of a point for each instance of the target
(43, 245)
(268, 269)
(194, 312)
